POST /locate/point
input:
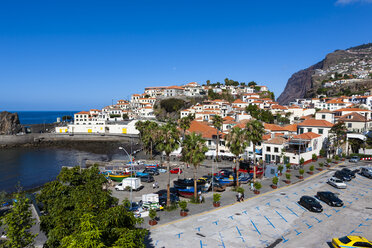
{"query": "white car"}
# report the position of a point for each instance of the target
(337, 183)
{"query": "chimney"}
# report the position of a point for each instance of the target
(272, 135)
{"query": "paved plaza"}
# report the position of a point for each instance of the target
(275, 219)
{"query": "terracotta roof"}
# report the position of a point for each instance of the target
(202, 128)
(83, 113)
(325, 111)
(239, 101)
(307, 136)
(354, 117)
(276, 141)
(316, 123)
(175, 87)
(277, 106)
(229, 122)
(135, 95)
(273, 127)
(242, 123)
(333, 101)
(227, 118)
(95, 110)
(294, 107)
(306, 117)
(352, 110)
(291, 128)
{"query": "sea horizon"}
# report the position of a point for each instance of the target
(41, 116)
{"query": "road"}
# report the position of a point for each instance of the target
(275, 219)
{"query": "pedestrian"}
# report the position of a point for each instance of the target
(242, 199)
(154, 185)
(200, 198)
(251, 186)
(239, 196)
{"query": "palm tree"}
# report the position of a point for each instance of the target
(193, 152)
(236, 142)
(217, 123)
(254, 132)
(338, 133)
(147, 130)
(185, 122)
(168, 141)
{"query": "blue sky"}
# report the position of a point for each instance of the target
(77, 55)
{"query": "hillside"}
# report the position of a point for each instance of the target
(343, 72)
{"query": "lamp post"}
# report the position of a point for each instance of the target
(131, 164)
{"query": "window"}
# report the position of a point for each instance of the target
(349, 125)
(301, 130)
(309, 129)
(345, 240)
(362, 244)
(323, 116)
(276, 149)
(320, 131)
(268, 148)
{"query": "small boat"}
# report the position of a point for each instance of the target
(188, 192)
(186, 183)
(225, 180)
(119, 178)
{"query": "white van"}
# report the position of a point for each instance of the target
(129, 182)
(151, 201)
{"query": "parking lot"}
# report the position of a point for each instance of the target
(275, 219)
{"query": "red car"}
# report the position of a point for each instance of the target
(176, 171)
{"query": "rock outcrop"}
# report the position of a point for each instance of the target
(9, 123)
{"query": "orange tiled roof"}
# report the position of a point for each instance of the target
(242, 123)
(355, 117)
(202, 128)
(83, 113)
(307, 136)
(229, 122)
(291, 128)
(273, 127)
(238, 101)
(352, 110)
(316, 123)
(277, 106)
(324, 111)
(95, 110)
(333, 101)
(227, 118)
(276, 141)
(175, 87)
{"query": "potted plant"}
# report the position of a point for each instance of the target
(183, 206)
(152, 215)
(328, 162)
(322, 153)
(302, 161)
(343, 156)
(337, 157)
(280, 169)
(321, 166)
(216, 199)
(288, 166)
(288, 176)
(275, 183)
(301, 171)
(314, 157)
(311, 170)
(257, 186)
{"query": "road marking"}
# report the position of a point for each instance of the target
(255, 227)
(297, 232)
(268, 204)
(198, 228)
(316, 219)
(328, 215)
(308, 225)
(301, 207)
(281, 216)
(292, 211)
(215, 222)
(179, 235)
(237, 228)
(231, 217)
(270, 222)
(202, 245)
(284, 240)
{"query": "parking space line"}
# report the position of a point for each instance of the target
(281, 216)
(198, 228)
(202, 245)
(316, 219)
(231, 217)
(297, 232)
(292, 211)
(179, 234)
(270, 222)
(255, 227)
(215, 222)
(328, 215)
(284, 240)
(308, 225)
(302, 207)
(268, 204)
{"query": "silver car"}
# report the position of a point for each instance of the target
(365, 171)
(354, 159)
(337, 183)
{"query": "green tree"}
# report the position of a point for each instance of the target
(254, 131)
(125, 117)
(217, 122)
(77, 208)
(169, 138)
(193, 152)
(338, 134)
(236, 142)
(18, 223)
(252, 83)
(148, 135)
(185, 122)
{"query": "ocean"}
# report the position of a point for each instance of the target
(41, 117)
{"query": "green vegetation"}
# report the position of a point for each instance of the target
(172, 104)
(185, 122)
(337, 157)
(125, 117)
(301, 171)
(149, 131)
(81, 214)
(322, 152)
(67, 118)
(288, 176)
(252, 83)
(321, 164)
(275, 180)
(217, 123)
(183, 205)
(18, 223)
(302, 161)
(338, 134)
(260, 114)
(193, 152)
(114, 115)
(311, 168)
(329, 160)
(280, 168)
(152, 214)
(257, 185)
(216, 197)
(288, 166)
(314, 157)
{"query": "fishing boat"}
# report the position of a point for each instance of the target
(187, 192)
(119, 177)
(225, 180)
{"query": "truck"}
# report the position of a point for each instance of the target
(151, 201)
(129, 183)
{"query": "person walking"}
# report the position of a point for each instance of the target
(251, 186)
(200, 198)
(242, 198)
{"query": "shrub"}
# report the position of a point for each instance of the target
(240, 190)
(322, 153)
(343, 155)
(288, 176)
(311, 168)
(321, 164)
(172, 104)
(301, 171)
(337, 157)
(280, 168)
(302, 161)
(275, 180)
(288, 166)
(329, 160)
(152, 214)
(257, 185)
(216, 197)
(314, 157)
(183, 205)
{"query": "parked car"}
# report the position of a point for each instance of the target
(151, 171)
(351, 241)
(365, 171)
(337, 183)
(342, 175)
(176, 171)
(348, 171)
(310, 203)
(354, 159)
(330, 198)
(173, 198)
(141, 174)
(147, 179)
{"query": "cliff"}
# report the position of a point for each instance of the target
(9, 123)
(353, 65)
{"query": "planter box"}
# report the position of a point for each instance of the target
(256, 191)
(183, 213)
(274, 186)
(216, 204)
(311, 172)
(301, 177)
(288, 171)
(287, 181)
(320, 169)
(152, 222)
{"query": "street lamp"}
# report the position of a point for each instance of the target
(131, 163)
